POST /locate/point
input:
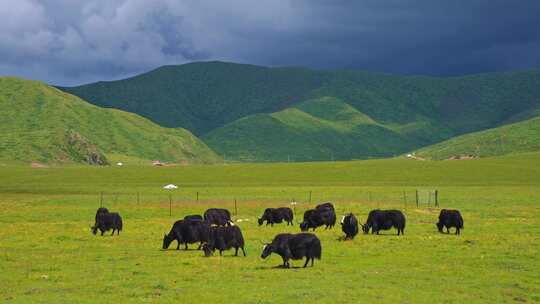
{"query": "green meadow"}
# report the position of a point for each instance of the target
(47, 253)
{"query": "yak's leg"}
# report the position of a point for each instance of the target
(113, 231)
(117, 231)
(200, 245)
(186, 246)
(178, 246)
(221, 252)
(102, 232)
(457, 230)
(312, 259)
(307, 261)
(243, 251)
(235, 251)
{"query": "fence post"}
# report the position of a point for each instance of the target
(170, 204)
(416, 198)
(405, 199)
(197, 196)
(310, 196)
(101, 199)
(437, 198)
(235, 208)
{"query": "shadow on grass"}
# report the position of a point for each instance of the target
(281, 267)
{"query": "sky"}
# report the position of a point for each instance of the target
(70, 42)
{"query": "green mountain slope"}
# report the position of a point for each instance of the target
(222, 102)
(43, 124)
(518, 137)
(319, 129)
(202, 96)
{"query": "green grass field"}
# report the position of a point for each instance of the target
(47, 253)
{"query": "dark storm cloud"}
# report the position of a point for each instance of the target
(70, 42)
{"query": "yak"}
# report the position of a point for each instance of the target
(294, 246)
(187, 232)
(216, 216)
(349, 225)
(450, 218)
(108, 221)
(224, 238)
(322, 215)
(276, 215)
(383, 220)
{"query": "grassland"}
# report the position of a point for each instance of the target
(39, 123)
(47, 253)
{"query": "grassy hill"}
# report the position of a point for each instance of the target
(319, 129)
(518, 137)
(40, 123)
(251, 112)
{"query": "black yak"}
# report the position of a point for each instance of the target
(294, 246)
(323, 214)
(108, 221)
(224, 238)
(450, 218)
(216, 216)
(349, 225)
(276, 215)
(383, 220)
(187, 232)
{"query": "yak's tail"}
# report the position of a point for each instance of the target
(119, 223)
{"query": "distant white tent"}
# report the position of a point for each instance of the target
(170, 186)
(119, 164)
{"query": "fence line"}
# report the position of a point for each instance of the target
(383, 199)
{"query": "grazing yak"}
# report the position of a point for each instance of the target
(383, 220)
(450, 218)
(187, 232)
(224, 238)
(349, 225)
(216, 216)
(194, 217)
(107, 221)
(294, 246)
(276, 215)
(323, 214)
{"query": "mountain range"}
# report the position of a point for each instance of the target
(253, 113)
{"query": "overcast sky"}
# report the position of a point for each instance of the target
(68, 42)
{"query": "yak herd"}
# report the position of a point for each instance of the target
(215, 230)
